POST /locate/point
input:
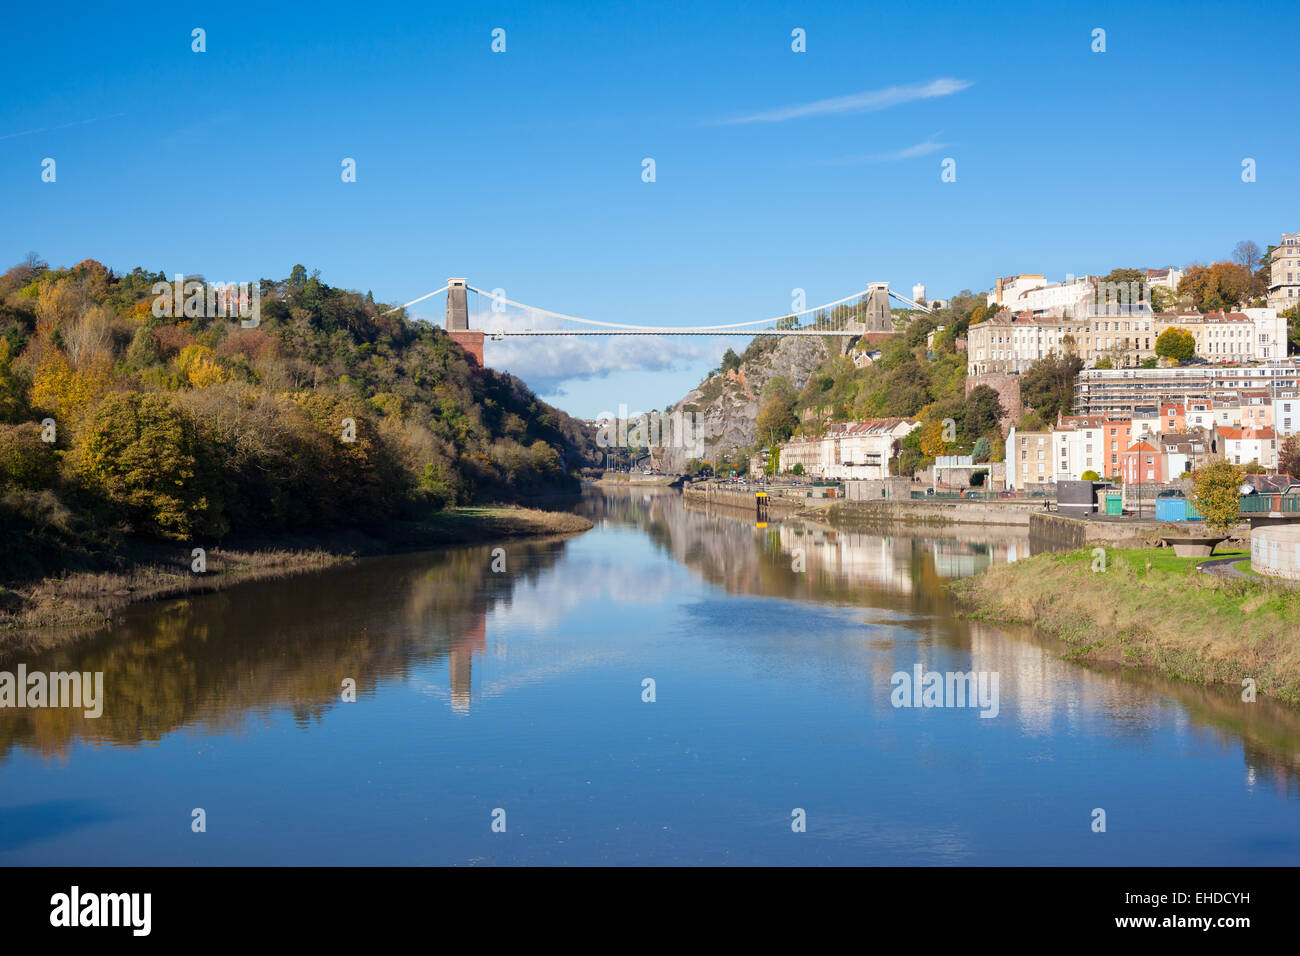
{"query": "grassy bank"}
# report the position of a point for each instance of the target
(149, 570)
(1152, 610)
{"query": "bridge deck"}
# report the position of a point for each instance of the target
(749, 333)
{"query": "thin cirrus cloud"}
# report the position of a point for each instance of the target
(50, 129)
(907, 152)
(865, 102)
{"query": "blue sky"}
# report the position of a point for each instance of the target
(522, 170)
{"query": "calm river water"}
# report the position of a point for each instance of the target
(517, 696)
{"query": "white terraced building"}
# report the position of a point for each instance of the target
(858, 450)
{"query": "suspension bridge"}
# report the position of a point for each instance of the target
(474, 314)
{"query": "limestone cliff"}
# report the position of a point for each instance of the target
(726, 406)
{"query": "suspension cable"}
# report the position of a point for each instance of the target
(413, 301)
(616, 325)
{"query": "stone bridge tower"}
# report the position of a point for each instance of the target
(878, 318)
(471, 340)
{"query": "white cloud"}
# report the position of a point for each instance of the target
(546, 361)
(907, 152)
(865, 102)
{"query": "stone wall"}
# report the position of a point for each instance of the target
(876, 489)
(1008, 388)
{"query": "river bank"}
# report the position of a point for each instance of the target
(745, 499)
(153, 570)
(615, 479)
(1150, 610)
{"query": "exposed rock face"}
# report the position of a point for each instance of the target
(726, 406)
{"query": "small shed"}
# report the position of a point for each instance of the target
(1077, 498)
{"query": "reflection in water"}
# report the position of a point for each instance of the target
(217, 659)
(773, 692)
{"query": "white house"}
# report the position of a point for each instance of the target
(1286, 411)
(1269, 341)
(1241, 446)
(1079, 445)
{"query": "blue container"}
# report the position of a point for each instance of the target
(1171, 509)
(1176, 509)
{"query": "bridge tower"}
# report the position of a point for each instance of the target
(878, 318)
(471, 340)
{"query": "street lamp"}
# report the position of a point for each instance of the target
(1141, 441)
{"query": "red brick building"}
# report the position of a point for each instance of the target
(1142, 462)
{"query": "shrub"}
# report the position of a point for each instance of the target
(25, 460)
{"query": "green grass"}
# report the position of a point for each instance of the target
(1164, 559)
(1244, 567)
(1153, 610)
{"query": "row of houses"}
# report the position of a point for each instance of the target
(859, 449)
(1155, 444)
(1011, 342)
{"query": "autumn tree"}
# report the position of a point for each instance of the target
(68, 393)
(1220, 286)
(1288, 456)
(354, 478)
(197, 366)
(56, 305)
(1179, 345)
(88, 336)
(1216, 494)
(934, 439)
(153, 463)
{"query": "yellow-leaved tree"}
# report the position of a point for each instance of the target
(56, 304)
(68, 393)
(197, 366)
(932, 440)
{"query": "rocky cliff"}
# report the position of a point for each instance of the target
(726, 406)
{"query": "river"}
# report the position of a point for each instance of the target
(503, 715)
